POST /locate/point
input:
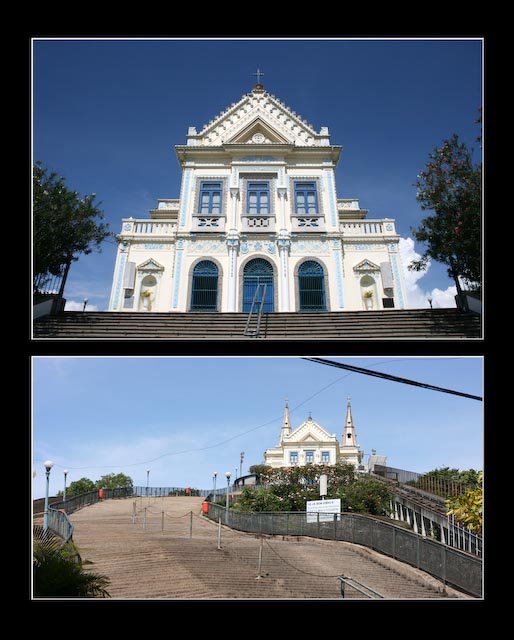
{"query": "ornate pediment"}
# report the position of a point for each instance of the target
(258, 132)
(366, 266)
(310, 431)
(258, 118)
(150, 265)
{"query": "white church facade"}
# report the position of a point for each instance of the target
(258, 210)
(310, 443)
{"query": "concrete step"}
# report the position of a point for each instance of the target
(399, 324)
(154, 564)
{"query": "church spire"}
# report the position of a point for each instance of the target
(349, 435)
(286, 424)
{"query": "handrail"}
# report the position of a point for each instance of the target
(358, 586)
(254, 333)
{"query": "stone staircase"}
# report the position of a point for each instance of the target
(347, 325)
(150, 563)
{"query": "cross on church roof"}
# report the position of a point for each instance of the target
(258, 74)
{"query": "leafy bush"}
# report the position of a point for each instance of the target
(366, 495)
(58, 574)
(467, 508)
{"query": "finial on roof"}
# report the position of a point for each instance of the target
(258, 88)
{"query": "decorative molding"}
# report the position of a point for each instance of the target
(310, 247)
(150, 265)
(127, 226)
(206, 247)
(257, 159)
(366, 266)
(257, 246)
(154, 246)
(392, 247)
(351, 246)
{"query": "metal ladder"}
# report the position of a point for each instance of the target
(255, 314)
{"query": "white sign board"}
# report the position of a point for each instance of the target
(325, 508)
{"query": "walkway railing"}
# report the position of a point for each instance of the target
(431, 484)
(358, 586)
(452, 566)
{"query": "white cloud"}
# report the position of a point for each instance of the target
(416, 295)
(74, 305)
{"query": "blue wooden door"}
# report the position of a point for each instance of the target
(311, 286)
(256, 272)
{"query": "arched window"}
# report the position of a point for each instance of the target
(204, 292)
(311, 286)
(258, 272)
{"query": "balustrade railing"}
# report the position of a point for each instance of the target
(375, 227)
(148, 227)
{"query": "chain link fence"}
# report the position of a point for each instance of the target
(452, 566)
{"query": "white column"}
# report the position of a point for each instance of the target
(232, 245)
(284, 244)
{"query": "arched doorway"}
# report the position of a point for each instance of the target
(258, 271)
(204, 290)
(311, 287)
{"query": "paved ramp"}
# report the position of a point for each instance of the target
(155, 564)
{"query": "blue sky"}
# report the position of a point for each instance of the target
(119, 414)
(107, 115)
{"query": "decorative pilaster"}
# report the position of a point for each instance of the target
(234, 197)
(284, 245)
(123, 248)
(281, 192)
(179, 252)
(232, 240)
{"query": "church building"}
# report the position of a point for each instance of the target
(258, 215)
(311, 443)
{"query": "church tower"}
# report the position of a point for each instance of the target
(285, 431)
(350, 452)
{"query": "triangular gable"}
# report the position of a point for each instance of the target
(258, 132)
(366, 265)
(150, 265)
(276, 120)
(310, 431)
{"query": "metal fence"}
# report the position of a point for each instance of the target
(452, 566)
(59, 523)
(431, 484)
(161, 492)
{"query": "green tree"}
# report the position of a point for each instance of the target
(78, 487)
(366, 495)
(65, 224)
(58, 574)
(468, 507)
(114, 481)
(259, 468)
(451, 187)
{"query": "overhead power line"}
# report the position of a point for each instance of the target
(388, 376)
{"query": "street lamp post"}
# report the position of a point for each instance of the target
(85, 304)
(241, 458)
(64, 494)
(227, 475)
(48, 465)
(214, 476)
(147, 480)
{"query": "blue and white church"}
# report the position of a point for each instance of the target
(258, 206)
